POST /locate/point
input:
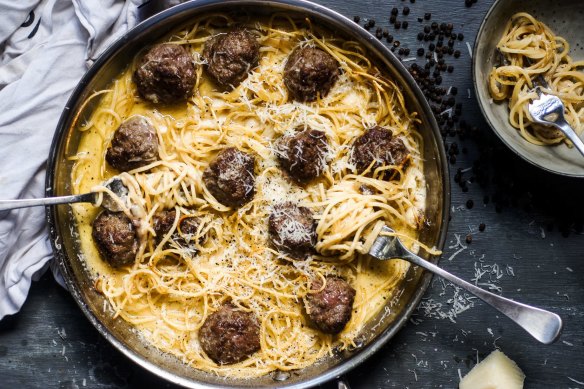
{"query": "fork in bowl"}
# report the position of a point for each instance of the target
(549, 110)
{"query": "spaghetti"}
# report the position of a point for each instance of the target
(531, 50)
(170, 290)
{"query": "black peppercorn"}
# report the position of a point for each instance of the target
(469, 204)
(401, 51)
(468, 3)
(379, 33)
(405, 25)
(460, 36)
(427, 16)
(482, 227)
(420, 51)
(406, 11)
(389, 38)
(392, 19)
(427, 29)
(434, 26)
(456, 53)
(468, 239)
(394, 11)
(397, 25)
(450, 69)
(357, 19)
(420, 36)
(432, 47)
(396, 44)
(407, 51)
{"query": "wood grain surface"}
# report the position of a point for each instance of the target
(532, 250)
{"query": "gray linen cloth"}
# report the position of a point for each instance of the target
(45, 48)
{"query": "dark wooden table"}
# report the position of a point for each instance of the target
(532, 249)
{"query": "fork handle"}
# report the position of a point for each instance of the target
(6, 205)
(571, 134)
(543, 325)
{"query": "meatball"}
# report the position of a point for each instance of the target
(303, 155)
(231, 56)
(115, 237)
(230, 335)
(231, 178)
(292, 230)
(166, 74)
(309, 72)
(330, 309)
(378, 146)
(133, 145)
(187, 228)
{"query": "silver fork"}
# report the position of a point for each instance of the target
(542, 325)
(549, 110)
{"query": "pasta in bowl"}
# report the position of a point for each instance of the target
(537, 39)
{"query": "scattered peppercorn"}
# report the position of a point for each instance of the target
(427, 16)
(482, 227)
(357, 19)
(456, 53)
(394, 11)
(405, 25)
(379, 32)
(406, 11)
(420, 52)
(468, 239)
(469, 204)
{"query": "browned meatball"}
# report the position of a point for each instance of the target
(231, 178)
(230, 335)
(330, 309)
(187, 228)
(115, 237)
(310, 72)
(231, 56)
(292, 230)
(378, 144)
(133, 145)
(303, 155)
(166, 74)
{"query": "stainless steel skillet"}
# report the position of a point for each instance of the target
(63, 228)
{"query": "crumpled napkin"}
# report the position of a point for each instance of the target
(45, 48)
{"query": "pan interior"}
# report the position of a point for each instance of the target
(63, 227)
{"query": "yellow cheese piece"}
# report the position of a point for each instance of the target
(496, 371)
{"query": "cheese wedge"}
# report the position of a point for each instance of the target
(496, 371)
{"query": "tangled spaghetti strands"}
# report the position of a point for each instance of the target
(530, 50)
(170, 290)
